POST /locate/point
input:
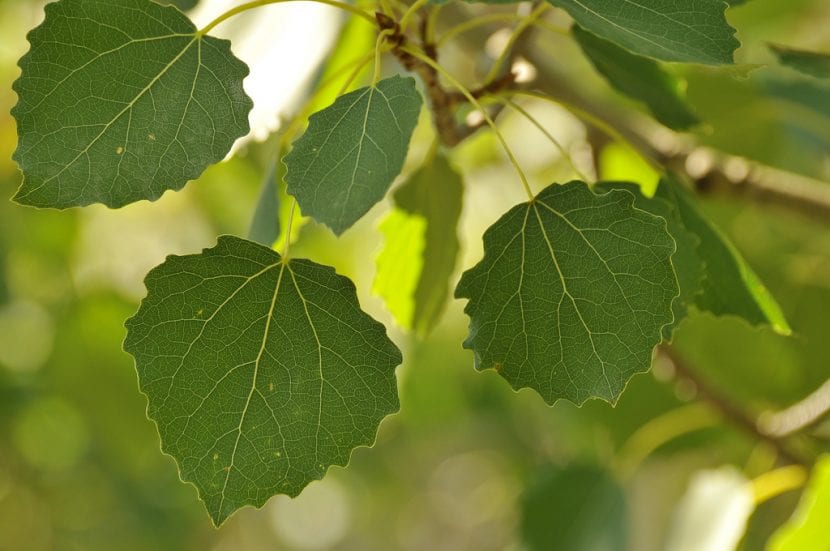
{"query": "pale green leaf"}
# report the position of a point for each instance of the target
(352, 151)
(694, 31)
(729, 287)
(260, 373)
(640, 78)
(120, 100)
(572, 294)
(421, 248)
(687, 264)
(816, 64)
(265, 223)
(576, 508)
(807, 529)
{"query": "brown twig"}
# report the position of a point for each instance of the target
(732, 412)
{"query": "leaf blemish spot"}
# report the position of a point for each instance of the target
(119, 150)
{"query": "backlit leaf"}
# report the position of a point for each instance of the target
(120, 100)
(572, 294)
(352, 151)
(259, 372)
(807, 529)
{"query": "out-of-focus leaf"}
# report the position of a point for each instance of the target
(421, 247)
(572, 294)
(352, 151)
(640, 78)
(713, 513)
(577, 508)
(265, 224)
(259, 372)
(730, 287)
(807, 529)
(120, 101)
(687, 263)
(815, 64)
(694, 31)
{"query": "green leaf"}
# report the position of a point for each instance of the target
(729, 287)
(693, 31)
(576, 508)
(807, 529)
(265, 224)
(352, 151)
(121, 100)
(419, 256)
(259, 372)
(572, 294)
(640, 78)
(687, 263)
(815, 64)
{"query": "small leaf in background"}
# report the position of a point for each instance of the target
(729, 284)
(687, 263)
(713, 513)
(120, 101)
(259, 372)
(807, 529)
(573, 293)
(640, 78)
(694, 31)
(352, 151)
(421, 248)
(265, 224)
(815, 64)
(576, 508)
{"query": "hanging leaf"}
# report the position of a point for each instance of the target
(729, 286)
(352, 151)
(259, 372)
(694, 31)
(421, 248)
(573, 293)
(265, 223)
(121, 100)
(815, 64)
(640, 78)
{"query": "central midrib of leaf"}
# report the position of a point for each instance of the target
(196, 39)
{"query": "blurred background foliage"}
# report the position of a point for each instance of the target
(467, 463)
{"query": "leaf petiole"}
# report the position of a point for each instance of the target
(259, 3)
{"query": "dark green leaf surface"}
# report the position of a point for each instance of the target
(640, 78)
(815, 64)
(687, 263)
(577, 508)
(259, 373)
(423, 225)
(120, 100)
(693, 31)
(352, 151)
(573, 293)
(730, 287)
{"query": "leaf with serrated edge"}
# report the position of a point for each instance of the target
(694, 31)
(729, 285)
(572, 294)
(352, 150)
(120, 100)
(687, 263)
(260, 373)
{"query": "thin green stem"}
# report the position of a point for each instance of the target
(595, 121)
(660, 430)
(287, 247)
(564, 152)
(413, 9)
(517, 32)
(473, 101)
(471, 24)
(258, 3)
(778, 481)
(378, 44)
(432, 18)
